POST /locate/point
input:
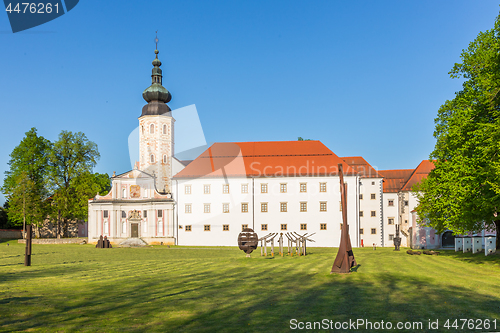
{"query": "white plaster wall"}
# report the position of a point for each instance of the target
(367, 205)
(273, 218)
(390, 212)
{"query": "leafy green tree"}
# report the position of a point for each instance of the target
(462, 193)
(25, 182)
(4, 220)
(71, 162)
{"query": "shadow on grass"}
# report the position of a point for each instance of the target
(478, 258)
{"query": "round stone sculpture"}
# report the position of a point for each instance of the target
(248, 241)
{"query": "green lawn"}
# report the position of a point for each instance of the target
(178, 289)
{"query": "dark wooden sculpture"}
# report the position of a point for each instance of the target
(345, 257)
(248, 241)
(27, 253)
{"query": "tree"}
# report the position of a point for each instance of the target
(71, 162)
(4, 220)
(462, 193)
(24, 183)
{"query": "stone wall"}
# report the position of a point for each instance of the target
(11, 233)
(54, 240)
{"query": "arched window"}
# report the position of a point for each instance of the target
(164, 129)
(164, 158)
(152, 157)
(142, 128)
(124, 193)
(152, 128)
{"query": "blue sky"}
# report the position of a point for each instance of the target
(364, 77)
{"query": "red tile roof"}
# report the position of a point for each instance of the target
(362, 167)
(265, 159)
(420, 172)
(394, 180)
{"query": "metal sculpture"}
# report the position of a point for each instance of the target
(345, 257)
(301, 242)
(397, 239)
(248, 241)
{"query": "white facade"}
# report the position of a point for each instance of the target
(214, 211)
(370, 202)
(133, 208)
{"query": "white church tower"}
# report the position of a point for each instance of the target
(156, 128)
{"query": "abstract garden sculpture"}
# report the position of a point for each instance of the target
(345, 257)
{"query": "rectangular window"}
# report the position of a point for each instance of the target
(303, 206)
(283, 207)
(263, 227)
(206, 208)
(374, 231)
(373, 213)
(322, 187)
(303, 226)
(160, 213)
(322, 226)
(187, 208)
(361, 231)
(322, 206)
(105, 214)
(145, 213)
(187, 189)
(225, 227)
(225, 208)
(263, 207)
(406, 202)
(361, 197)
(390, 203)
(225, 188)
(360, 213)
(283, 227)
(244, 207)
(263, 188)
(124, 214)
(244, 188)
(373, 183)
(303, 187)
(187, 228)
(283, 188)
(206, 189)
(390, 220)
(372, 196)
(391, 237)
(244, 226)
(206, 227)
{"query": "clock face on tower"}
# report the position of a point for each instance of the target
(135, 191)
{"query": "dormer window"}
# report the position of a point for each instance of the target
(152, 129)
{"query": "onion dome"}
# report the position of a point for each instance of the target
(156, 92)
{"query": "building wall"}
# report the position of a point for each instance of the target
(390, 213)
(255, 218)
(369, 223)
(158, 143)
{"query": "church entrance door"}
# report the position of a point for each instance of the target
(134, 230)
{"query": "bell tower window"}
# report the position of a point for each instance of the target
(152, 129)
(164, 129)
(152, 158)
(164, 158)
